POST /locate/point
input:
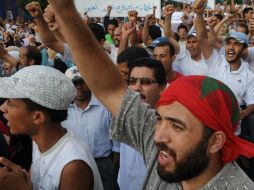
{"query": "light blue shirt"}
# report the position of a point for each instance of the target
(132, 168)
(91, 125)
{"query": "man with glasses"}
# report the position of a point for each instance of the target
(148, 77)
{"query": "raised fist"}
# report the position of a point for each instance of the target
(34, 9)
(132, 16)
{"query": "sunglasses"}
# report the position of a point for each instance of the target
(143, 81)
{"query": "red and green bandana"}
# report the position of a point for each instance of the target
(215, 105)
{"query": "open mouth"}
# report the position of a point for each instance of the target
(165, 158)
(230, 54)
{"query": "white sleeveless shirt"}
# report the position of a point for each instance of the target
(47, 167)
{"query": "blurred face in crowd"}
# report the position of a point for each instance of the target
(224, 30)
(83, 92)
(163, 54)
(182, 145)
(7, 68)
(142, 80)
(111, 29)
(233, 50)
(23, 60)
(248, 15)
(117, 36)
(182, 33)
(20, 119)
(193, 46)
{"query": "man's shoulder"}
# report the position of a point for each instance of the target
(231, 177)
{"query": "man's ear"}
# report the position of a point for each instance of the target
(216, 142)
(39, 118)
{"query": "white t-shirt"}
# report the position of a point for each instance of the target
(187, 66)
(47, 167)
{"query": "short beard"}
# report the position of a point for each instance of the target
(192, 166)
(238, 57)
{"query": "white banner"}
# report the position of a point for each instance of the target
(210, 3)
(120, 8)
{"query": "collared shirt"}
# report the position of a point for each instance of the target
(132, 168)
(241, 81)
(135, 126)
(91, 125)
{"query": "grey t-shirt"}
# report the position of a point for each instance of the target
(135, 126)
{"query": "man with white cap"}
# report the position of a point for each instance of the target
(89, 120)
(37, 101)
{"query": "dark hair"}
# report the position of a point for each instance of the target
(33, 53)
(155, 65)
(246, 10)
(245, 26)
(154, 31)
(113, 22)
(98, 31)
(60, 65)
(218, 16)
(184, 26)
(56, 116)
(170, 47)
(130, 54)
(176, 36)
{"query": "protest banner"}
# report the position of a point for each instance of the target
(120, 8)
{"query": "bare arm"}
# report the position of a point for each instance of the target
(46, 35)
(220, 24)
(127, 30)
(145, 30)
(168, 12)
(92, 61)
(7, 57)
(212, 37)
(132, 17)
(76, 175)
(247, 112)
(206, 47)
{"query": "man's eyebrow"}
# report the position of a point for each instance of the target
(175, 120)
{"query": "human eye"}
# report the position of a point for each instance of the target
(177, 127)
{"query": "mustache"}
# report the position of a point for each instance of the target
(163, 147)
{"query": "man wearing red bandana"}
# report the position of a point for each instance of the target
(189, 143)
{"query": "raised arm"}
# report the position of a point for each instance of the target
(212, 37)
(46, 35)
(202, 37)
(145, 30)
(132, 17)
(168, 12)
(6, 56)
(101, 75)
(127, 30)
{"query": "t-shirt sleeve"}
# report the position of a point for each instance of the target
(134, 124)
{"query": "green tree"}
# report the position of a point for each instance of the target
(23, 3)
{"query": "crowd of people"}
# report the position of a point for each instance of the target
(127, 103)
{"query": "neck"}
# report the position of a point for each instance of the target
(171, 75)
(196, 57)
(48, 136)
(235, 66)
(198, 182)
